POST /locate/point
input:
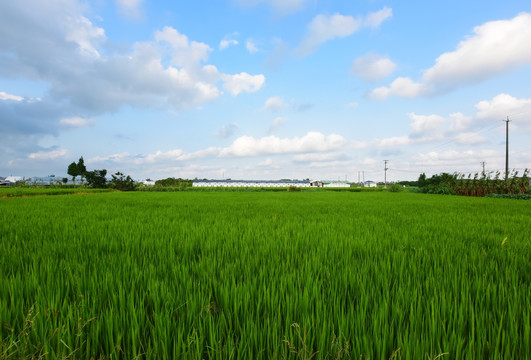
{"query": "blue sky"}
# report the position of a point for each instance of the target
(264, 89)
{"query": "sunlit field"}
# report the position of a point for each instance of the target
(285, 275)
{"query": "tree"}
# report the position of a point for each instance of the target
(96, 178)
(422, 181)
(121, 182)
(81, 168)
(73, 171)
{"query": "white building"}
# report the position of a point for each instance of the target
(369, 183)
(336, 184)
(250, 183)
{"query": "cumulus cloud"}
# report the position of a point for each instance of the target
(402, 86)
(496, 47)
(246, 146)
(243, 82)
(372, 67)
(55, 43)
(426, 125)
(461, 129)
(501, 106)
(325, 27)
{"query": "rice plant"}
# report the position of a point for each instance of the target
(257, 275)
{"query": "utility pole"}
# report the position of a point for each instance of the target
(507, 147)
(483, 164)
(385, 173)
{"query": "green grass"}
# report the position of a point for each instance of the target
(218, 275)
(38, 190)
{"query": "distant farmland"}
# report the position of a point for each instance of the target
(293, 275)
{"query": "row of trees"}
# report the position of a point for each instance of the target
(98, 178)
(476, 185)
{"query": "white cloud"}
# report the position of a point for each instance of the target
(423, 126)
(223, 44)
(353, 105)
(274, 104)
(402, 86)
(251, 46)
(54, 43)
(393, 142)
(75, 121)
(496, 47)
(130, 8)
(226, 131)
(5, 96)
(47, 155)
(501, 106)
(375, 19)
(460, 122)
(228, 41)
(318, 157)
(235, 84)
(246, 146)
(276, 124)
(371, 67)
(326, 27)
(185, 53)
(81, 31)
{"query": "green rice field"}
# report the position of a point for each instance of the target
(264, 275)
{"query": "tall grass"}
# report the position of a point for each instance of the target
(292, 275)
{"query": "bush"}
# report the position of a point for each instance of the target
(395, 188)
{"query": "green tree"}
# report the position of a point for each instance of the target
(96, 178)
(81, 168)
(73, 171)
(122, 182)
(422, 180)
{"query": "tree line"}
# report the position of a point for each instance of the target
(98, 178)
(483, 184)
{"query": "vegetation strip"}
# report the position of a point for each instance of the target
(216, 275)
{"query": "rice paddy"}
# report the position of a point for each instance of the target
(291, 275)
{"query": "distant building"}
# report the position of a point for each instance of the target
(336, 184)
(250, 183)
(369, 184)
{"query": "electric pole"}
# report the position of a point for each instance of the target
(385, 173)
(507, 147)
(483, 164)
